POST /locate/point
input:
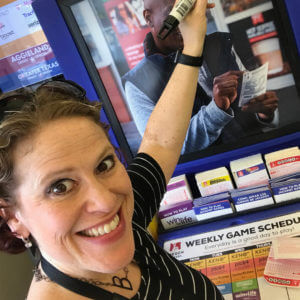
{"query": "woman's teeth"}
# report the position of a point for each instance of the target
(103, 229)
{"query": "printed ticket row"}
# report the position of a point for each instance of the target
(186, 212)
(218, 196)
(247, 171)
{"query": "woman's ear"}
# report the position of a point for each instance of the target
(148, 17)
(13, 220)
(3, 209)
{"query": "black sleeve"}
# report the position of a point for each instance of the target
(149, 185)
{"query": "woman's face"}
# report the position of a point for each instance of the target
(75, 197)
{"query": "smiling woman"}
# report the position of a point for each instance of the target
(68, 185)
(64, 191)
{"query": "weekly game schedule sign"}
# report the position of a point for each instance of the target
(234, 258)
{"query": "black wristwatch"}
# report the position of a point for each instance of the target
(195, 61)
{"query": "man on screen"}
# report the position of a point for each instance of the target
(216, 116)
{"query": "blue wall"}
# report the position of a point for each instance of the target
(293, 7)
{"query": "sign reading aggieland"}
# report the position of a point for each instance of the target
(25, 54)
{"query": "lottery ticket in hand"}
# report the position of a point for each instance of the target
(254, 84)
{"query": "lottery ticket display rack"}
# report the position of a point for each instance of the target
(224, 159)
(232, 251)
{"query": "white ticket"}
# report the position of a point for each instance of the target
(254, 84)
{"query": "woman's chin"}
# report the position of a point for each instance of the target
(122, 264)
(114, 261)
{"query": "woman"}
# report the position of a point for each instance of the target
(63, 189)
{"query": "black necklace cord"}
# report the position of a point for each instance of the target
(77, 286)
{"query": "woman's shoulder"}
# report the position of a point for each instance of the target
(146, 165)
(48, 290)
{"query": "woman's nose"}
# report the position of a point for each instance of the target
(99, 198)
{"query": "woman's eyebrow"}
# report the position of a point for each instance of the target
(56, 172)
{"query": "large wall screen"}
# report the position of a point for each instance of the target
(114, 32)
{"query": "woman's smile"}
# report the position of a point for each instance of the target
(105, 233)
(100, 230)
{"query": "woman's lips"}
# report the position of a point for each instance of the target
(94, 234)
(102, 229)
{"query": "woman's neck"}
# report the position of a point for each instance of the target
(125, 281)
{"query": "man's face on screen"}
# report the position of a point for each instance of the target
(155, 13)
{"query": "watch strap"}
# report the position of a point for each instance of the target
(195, 61)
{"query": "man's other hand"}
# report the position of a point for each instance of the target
(264, 105)
(225, 88)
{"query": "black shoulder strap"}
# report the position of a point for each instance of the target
(77, 286)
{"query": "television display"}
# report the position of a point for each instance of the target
(114, 36)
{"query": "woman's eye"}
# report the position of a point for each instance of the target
(106, 164)
(61, 187)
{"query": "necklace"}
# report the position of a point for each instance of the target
(120, 282)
